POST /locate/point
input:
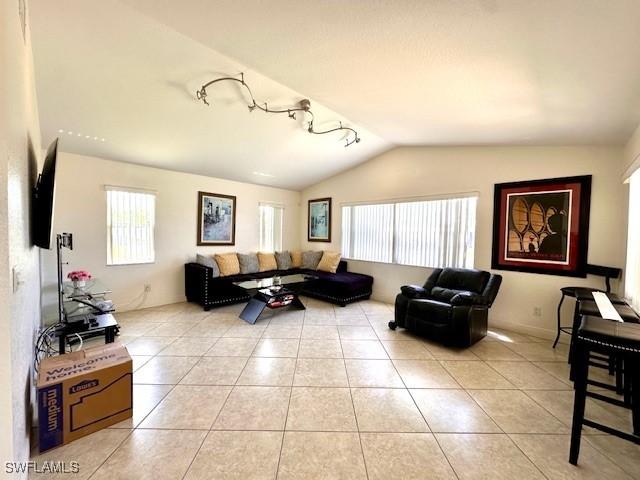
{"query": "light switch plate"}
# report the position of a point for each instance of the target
(17, 280)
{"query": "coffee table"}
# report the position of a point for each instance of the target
(273, 293)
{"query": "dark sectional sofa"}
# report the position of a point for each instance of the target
(339, 288)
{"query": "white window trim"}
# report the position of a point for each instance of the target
(271, 204)
(424, 198)
(632, 266)
(395, 200)
(120, 188)
(117, 188)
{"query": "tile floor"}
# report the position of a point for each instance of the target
(332, 393)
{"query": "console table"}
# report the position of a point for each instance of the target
(87, 313)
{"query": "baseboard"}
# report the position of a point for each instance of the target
(534, 331)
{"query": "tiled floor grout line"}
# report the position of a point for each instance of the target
(286, 417)
(284, 428)
(608, 457)
(124, 439)
(509, 436)
(425, 421)
(337, 324)
(353, 406)
(134, 427)
(204, 439)
(498, 425)
(494, 421)
(475, 401)
(194, 429)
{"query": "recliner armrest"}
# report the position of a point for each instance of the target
(491, 289)
(468, 298)
(413, 291)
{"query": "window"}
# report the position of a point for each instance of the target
(632, 275)
(270, 227)
(130, 225)
(429, 233)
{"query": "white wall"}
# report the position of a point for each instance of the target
(81, 209)
(19, 308)
(632, 154)
(420, 171)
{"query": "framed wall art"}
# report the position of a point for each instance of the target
(216, 219)
(319, 224)
(542, 226)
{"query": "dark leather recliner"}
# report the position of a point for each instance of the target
(451, 307)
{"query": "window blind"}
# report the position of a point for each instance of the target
(270, 227)
(367, 232)
(632, 271)
(429, 233)
(130, 226)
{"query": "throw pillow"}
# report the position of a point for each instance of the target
(329, 262)
(296, 259)
(311, 259)
(248, 262)
(208, 262)
(228, 264)
(267, 262)
(283, 259)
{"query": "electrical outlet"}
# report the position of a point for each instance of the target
(537, 311)
(147, 288)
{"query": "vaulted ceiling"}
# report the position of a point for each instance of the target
(416, 72)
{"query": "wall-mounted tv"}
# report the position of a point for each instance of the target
(44, 198)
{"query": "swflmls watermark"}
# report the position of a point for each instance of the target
(47, 467)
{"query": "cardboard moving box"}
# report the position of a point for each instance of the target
(82, 392)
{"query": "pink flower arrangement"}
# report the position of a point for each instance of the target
(79, 275)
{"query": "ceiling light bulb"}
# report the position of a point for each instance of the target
(95, 138)
(102, 139)
(61, 131)
(87, 136)
(79, 134)
(70, 132)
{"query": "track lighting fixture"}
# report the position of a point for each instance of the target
(303, 106)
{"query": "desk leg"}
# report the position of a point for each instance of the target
(62, 343)
(109, 334)
(559, 324)
(633, 377)
(580, 366)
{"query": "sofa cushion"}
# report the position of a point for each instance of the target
(346, 281)
(228, 264)
(311, 259)
(443, 294)
(329, 262)
(468, 298)
(296, 259)
(413, 291)
(208, 262)
(463, 279)
(283, 259)
(248, 262)
(267, 261)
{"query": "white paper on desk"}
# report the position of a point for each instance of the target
(607, 310)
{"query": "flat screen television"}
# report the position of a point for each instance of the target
(44, 198)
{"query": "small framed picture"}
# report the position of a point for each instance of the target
(216, 219)
(542, 226)
(319, 225)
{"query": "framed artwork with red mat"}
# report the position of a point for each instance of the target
(542, 226)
